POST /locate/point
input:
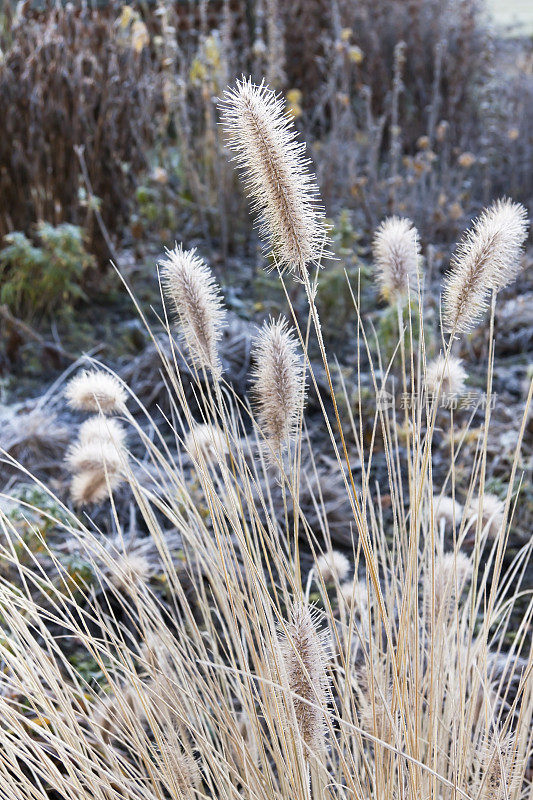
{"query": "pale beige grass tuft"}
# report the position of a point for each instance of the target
(278, 383)
(96, 390)
(396, 252)
(190, 288)
(283, 192)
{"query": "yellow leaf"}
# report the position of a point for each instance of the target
(294, 97)
(42, 722)
(139, 36)
(198, 71)
(355, 54)
(126, 16)
(212, 52)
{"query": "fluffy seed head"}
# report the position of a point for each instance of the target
(179, 771)
(277, 179)
(195, 297)
(445, 376)
(305, 659)
(97, 460)
(112, 717)
(492, 510)
(510, 224)
(448, 510)
(95, 390)
(278, 382)
(206, 443)
(95, 457)
(356, 592)
(500, 776)
(376, 712)
(396, 252)
(487, 257)
(130, 568)
(91, 487)
(333, 566)
(101, 429)
(452, 571)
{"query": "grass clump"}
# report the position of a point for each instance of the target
(398, 681)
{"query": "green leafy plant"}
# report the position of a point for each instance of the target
(39, 279)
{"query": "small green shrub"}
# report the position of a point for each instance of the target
(39, 279)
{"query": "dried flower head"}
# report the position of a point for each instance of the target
(305, 659)
(333, 566)
(500, 776)
(130, 569)
(377, 716)
(396, 252)
(156, 652)
(206, 443)
(191, 289)
(277, 179)
(246, 736)
(96, 390)
(452, 571)
(492, 512)
(179, 771)
(96, 457)
(511, 221)
(278, 382)
(98, 460)
(101, 429)
(487, 257)
(445, 377)
(356, 592)
(32, 436)
(447, 510)
(466, 160)
(91, 487)
(113, 715)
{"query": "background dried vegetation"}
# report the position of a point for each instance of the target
(67, 81)
(410, 107)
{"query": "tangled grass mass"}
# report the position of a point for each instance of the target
(193, 629)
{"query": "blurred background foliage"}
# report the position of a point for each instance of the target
(44, 277)
(415, 107)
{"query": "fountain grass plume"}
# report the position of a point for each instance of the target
(96, 390)
(396, 252)
(305, 659)
(278, 382)
(487, 258)
(445, 376)
(189, 286)
(282, 190)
